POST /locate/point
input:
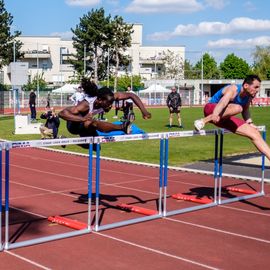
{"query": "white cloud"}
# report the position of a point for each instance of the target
(237, 25)
(83, 3)
(238, 43)
(216, 4)
(64, 35)
(162, 6)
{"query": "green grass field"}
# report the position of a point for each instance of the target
(182, 150)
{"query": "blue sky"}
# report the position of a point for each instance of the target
(218, 27)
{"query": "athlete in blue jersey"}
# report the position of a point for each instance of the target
(230, 101)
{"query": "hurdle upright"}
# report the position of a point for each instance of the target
(211, 203)
(249, 193)
(45, 143)
(135, 137)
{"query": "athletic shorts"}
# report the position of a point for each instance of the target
(232, 123)
(78, 128)
(174, 110)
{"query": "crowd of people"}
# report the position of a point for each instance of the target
(90, 103)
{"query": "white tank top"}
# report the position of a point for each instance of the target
(91, 101)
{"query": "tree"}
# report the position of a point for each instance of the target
(94, 37)
(174, 65)
(7, 40)
(38, 81)
(234, 67)
(210, 69)
(119, 39)
(88, 40)
(190, 72)
(261, 65)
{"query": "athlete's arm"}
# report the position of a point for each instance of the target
(136, 100)
(75, 113)
(229, 94)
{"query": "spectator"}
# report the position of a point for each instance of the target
(32, 105)
(50, 129)
(174, 104)
(78, 96)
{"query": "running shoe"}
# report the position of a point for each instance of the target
(127, 127)
(199, 124)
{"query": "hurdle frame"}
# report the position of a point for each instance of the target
(132, 137)
(244, 197)
(46, 143)
(197, 207)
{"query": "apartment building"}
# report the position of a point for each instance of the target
(48, 55)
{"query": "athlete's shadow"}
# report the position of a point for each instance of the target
(208, 192)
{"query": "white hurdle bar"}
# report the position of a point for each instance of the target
(244, 197)
(45, 143)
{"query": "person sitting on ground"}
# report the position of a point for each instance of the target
(81, 118)
(230, 101)
(174, 104)
(50, 129)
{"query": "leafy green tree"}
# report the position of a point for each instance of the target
(190, 72)
(119, 39)
(98, 37)
(261, 65)
(89, 40)
(210, 69)
(7, 39)
(234, 67)
(38, 81)
(124, 82)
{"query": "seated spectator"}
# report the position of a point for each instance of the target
(50, 129)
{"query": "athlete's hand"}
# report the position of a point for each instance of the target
(88, 117)
(147, 115)
(215, 118)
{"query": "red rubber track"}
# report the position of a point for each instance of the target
(45, 183)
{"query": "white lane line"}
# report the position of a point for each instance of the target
(27, 260)
(219, 230)
(244, 210)
(157, 251)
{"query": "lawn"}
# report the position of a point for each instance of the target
(181, 150)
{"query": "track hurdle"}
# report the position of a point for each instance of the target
(203, 203)
(44, 143)
(248, 194)
(147, 213)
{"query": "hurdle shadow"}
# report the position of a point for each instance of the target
(22, 220)
(207, 192)
(106, 201)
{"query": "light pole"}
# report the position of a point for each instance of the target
(37, 78)
(108, 68)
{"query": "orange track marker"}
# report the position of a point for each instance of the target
(74, 224)
(183, 197)
(241, 190)
(137, 209)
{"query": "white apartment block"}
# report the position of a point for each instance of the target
(48, 55)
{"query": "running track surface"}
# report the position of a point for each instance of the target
(45, 183)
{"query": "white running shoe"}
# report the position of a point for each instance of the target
(199, 124)
(115, 117)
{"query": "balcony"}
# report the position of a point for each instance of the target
(44, 54)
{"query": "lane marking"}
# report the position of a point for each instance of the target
(157, 251)
(27, 260)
